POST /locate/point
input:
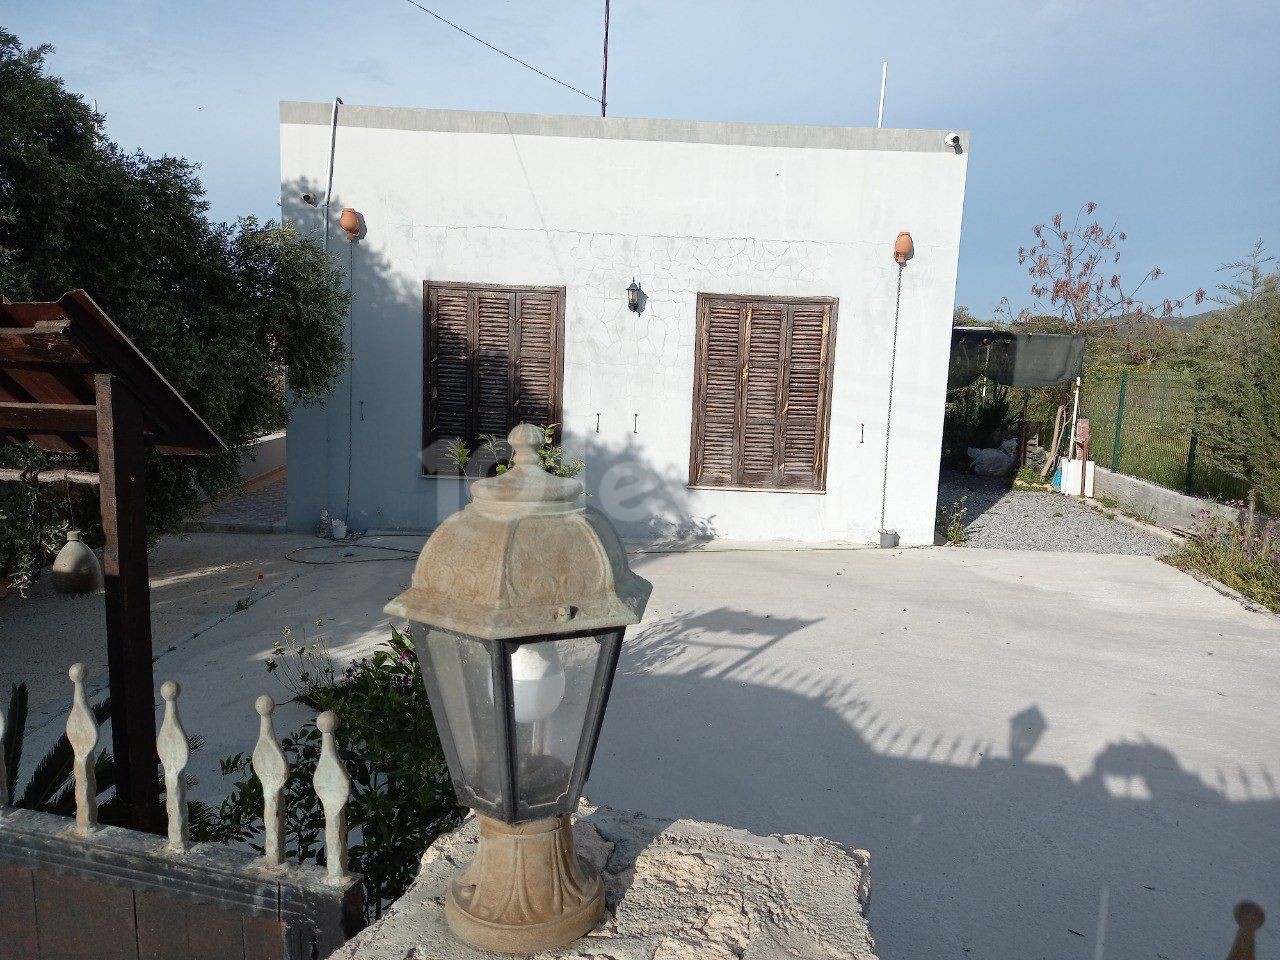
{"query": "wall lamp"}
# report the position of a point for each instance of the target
(635, 297)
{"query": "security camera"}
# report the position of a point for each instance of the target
(309, 199)
(952, 140)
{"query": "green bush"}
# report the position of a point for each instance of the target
(1244, 557)
(1236, 366)
(402, 798)
(227, 312)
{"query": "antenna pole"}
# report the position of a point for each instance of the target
(884, 79)
(604, 78)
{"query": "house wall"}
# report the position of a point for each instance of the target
(588, 204)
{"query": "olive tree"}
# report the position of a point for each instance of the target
(244, 319)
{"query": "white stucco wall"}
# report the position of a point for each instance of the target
(683, 208)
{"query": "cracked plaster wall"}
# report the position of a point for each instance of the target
(680, 218)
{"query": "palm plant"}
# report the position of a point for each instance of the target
(51, 786)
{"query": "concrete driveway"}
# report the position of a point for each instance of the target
(1048, 755)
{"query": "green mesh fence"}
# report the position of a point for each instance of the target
(1143, 424)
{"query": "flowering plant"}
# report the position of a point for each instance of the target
(1242, 554)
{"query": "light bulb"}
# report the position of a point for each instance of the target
(537, 681)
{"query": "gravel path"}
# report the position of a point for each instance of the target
(1004, 519)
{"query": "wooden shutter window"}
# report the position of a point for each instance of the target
(493, 359)
(762, 393)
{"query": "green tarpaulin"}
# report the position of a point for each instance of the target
(1012, 358)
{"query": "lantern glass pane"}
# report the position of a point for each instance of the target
(458, 671)
(551, 685)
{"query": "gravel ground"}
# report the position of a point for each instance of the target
(1004, 519)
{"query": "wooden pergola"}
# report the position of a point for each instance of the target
(72, 382)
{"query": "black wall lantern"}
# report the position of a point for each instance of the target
(522, 599)
(635, 297)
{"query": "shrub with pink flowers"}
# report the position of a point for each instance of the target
(1244, 555)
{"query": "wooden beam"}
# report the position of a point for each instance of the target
(45, 345)
(122, 465)
(49, 417)
(50, 476)
(178, 428)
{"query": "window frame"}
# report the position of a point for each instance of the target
(823, 427)
(555, 375)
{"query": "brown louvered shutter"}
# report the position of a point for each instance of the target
(760, 380)
(495, 312)
(536, 374)
(762, 393)
(448, 363)
(803, 457)
(716, 397)
(494, 358)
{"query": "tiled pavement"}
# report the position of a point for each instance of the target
(258, 511)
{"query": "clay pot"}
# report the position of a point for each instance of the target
(902, 247)
(350, 222)
(76, 569)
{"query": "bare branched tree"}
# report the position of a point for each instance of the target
(1076, 280)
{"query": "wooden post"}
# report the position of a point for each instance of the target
(122, 468)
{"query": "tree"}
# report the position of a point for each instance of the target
(1075, 280)
(1235, 363)
(1249, 277)
(229, 313)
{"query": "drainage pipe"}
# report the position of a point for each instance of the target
(888, 421)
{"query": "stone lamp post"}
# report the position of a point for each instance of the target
(522, 599)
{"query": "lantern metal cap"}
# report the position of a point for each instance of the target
(526, 558)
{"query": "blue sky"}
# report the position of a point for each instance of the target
(1163, 112)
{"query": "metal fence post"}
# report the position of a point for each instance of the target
(1115, 451)
(1191, 466)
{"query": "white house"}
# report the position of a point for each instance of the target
(748, 396)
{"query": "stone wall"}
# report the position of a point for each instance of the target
(675, 890)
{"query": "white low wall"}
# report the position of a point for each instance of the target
(588, 204)
(265, 459)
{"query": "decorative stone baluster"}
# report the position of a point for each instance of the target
(333, 787)
(175, 751)
(272, 769)
(82, 734)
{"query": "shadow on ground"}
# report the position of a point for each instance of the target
(977, 849)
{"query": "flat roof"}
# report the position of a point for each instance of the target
(622, 128)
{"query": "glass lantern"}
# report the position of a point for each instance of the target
(521, 601)
(519, 719)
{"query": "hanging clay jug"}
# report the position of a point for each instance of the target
(902, 247)
(350, 222)
(76, 569)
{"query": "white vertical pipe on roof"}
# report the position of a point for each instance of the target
(333, 146)
(884, 79)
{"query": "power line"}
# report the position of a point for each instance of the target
(530, 66)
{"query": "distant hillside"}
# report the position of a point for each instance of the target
(1181, 324)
